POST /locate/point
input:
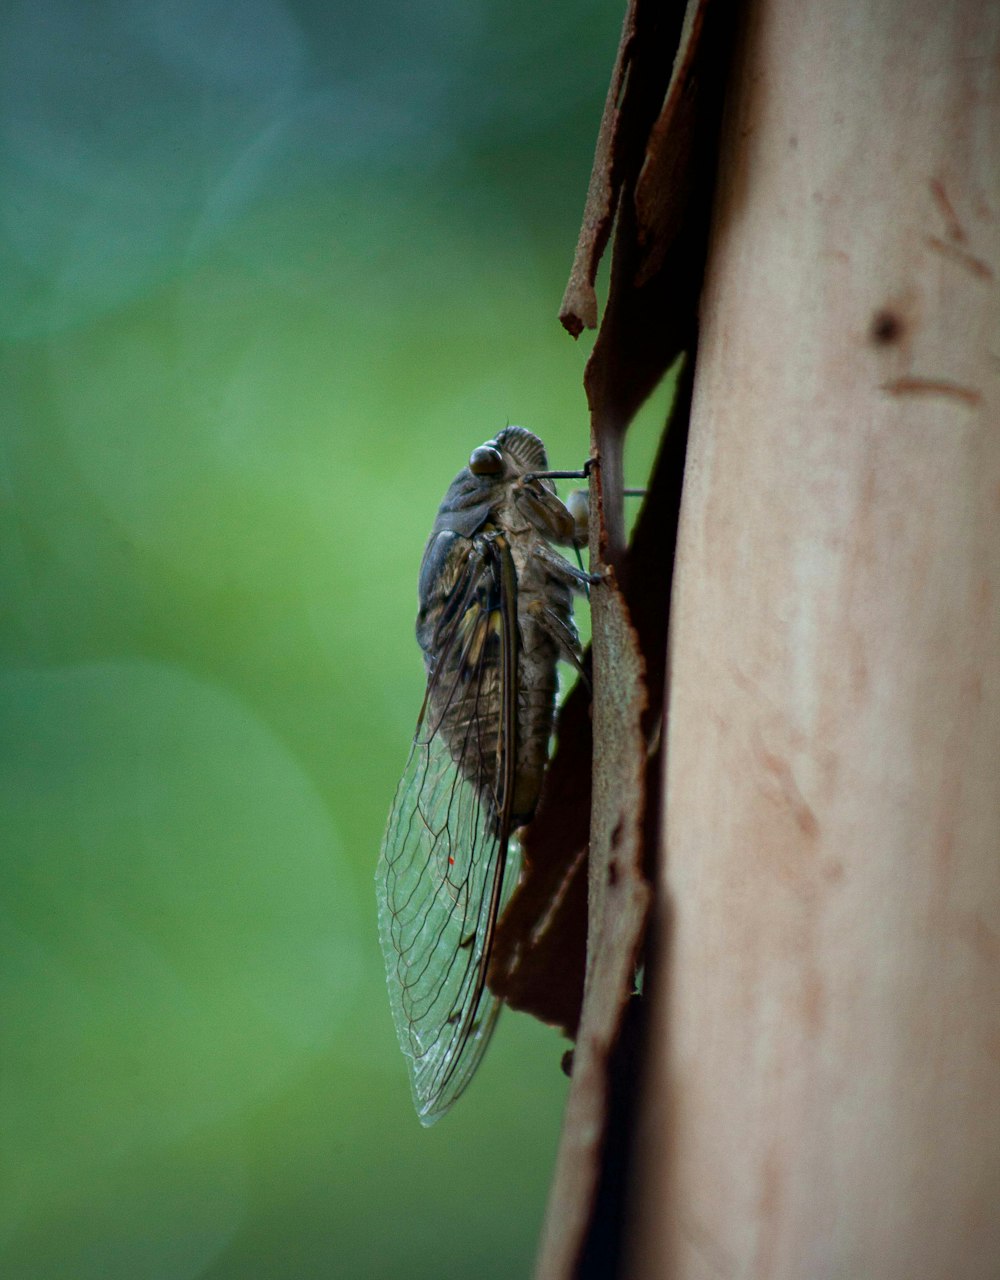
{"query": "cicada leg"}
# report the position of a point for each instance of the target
(564, 637)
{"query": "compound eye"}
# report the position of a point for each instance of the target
(486, 461)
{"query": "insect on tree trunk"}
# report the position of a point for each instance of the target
(819, 1091)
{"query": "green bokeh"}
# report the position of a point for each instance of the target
(269, 272)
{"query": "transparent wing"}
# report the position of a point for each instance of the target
(444, 873)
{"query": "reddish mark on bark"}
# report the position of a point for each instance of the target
(704, 1241)
(979, 936)
(770, 1183)
(947, 210)
(913, 386)
(451, 861)
(801, 812)
(813, 997)
(972, 688)
(858, 668)
(976, 266)
(768, 1205)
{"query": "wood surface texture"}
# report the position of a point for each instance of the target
(823, 1090)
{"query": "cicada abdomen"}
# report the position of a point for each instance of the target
(495, 617)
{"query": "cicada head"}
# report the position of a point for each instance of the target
(507, 472)
(484, 486)
(521, 449)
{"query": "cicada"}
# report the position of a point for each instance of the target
(495, 618)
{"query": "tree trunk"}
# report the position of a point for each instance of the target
(823, 1092)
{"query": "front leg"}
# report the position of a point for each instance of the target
(562, 570)
(564, 637)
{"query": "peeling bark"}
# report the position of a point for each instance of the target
(654, 167)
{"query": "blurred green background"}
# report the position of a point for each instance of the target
(269, 272)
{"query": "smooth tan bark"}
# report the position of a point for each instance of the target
(824, 1093)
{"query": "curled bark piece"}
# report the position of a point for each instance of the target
(579, 305)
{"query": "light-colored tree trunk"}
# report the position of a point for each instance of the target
(823, 1098)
